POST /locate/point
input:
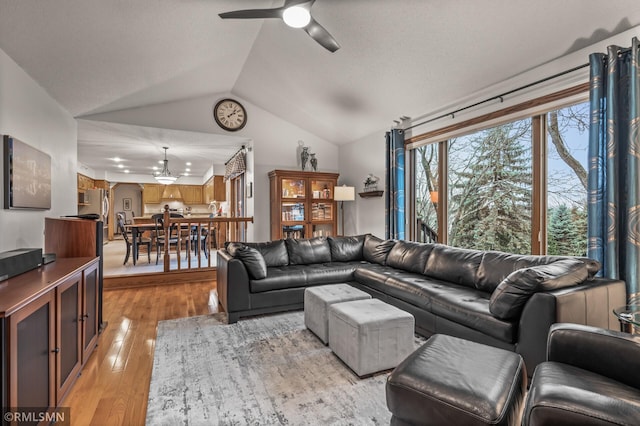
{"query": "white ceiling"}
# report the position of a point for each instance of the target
(400, 57)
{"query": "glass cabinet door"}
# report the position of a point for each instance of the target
(293, 188)
(321, 190)
(292, 211)
(321, 211)
(322, 230)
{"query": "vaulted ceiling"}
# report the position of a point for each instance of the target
(397, 57)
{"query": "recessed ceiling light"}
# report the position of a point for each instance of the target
(117, 159)
(188, 163)
(186, 174)
(126, 171)
(155, 167)
(187, 169)
(120, 166)
(161, 162)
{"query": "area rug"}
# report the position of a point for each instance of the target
(268, 370)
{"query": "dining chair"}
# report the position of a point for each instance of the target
(160, 236)
(140, 241)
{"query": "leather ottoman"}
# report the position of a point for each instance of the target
(370, 335)
(454, 381)
(317, 301)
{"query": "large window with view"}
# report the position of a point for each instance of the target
(567, 152)
(491, 178)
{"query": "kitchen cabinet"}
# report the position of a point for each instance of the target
(50, 318)
(302, 204)
(84, 182)
(214, 190)
(191, 194)
(152, 193)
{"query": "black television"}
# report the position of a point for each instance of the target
(27, 176)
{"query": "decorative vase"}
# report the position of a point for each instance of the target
(314, 162)
(304, 157)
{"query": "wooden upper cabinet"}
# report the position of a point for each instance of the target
(191, 194)
(152, 193)
(219, 189)
(214, 190)
(85, 182)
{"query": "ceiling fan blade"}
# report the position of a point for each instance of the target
(253, 14)
(322, 36)
(289, 3)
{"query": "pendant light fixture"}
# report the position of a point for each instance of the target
(165, 177)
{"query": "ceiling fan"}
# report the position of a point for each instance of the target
(296, 14)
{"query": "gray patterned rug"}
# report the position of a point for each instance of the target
(268, 370)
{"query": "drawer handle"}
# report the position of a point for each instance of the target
(56, 350)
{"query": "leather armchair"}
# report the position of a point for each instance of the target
(591, 377)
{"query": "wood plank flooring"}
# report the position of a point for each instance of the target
(114, 384)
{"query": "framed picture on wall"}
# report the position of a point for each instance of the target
(126, 204)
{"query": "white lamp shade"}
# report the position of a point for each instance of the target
(344, 193)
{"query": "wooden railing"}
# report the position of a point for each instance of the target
(195, 234)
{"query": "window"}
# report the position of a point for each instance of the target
(567, 152)
(426, 190)
(491, 180)
(489, 183)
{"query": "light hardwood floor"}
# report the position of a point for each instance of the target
(114, 384)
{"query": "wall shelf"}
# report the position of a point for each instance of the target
(369, 194)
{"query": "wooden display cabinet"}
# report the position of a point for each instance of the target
(302, 204)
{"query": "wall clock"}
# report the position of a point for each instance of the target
(230, 115)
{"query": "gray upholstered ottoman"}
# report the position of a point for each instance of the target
(317, 301)
(370, 335)
(454, 381)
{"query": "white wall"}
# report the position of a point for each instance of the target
(31, 115)
(357, 160)
(274, 143)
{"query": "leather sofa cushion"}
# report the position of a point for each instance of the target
(496, 266)
(564, 394)
(456, 265)
(409, 256)
(253, 261)
(376, 250)
(461, 304)
(346, 249)
(280, 277)
(274, 252)
(307, 251)
(509, 298)
(330, 273)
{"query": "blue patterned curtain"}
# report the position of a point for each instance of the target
(394, 213)
(614, 165)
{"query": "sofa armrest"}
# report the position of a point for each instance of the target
(610, 353)
(591, 303)
(232, 284)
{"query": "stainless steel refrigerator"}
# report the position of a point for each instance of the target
(96, 201)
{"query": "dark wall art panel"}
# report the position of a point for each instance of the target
(27, 176)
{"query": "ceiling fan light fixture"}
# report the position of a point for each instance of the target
(296, 16)
(165, 177)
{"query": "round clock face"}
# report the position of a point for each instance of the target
(230, 115)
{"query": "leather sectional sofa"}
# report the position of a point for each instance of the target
(503, 300)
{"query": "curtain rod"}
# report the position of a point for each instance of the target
(234, 155)
(501, 96)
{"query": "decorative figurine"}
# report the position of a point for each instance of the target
(304, 156)
(314, 162)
